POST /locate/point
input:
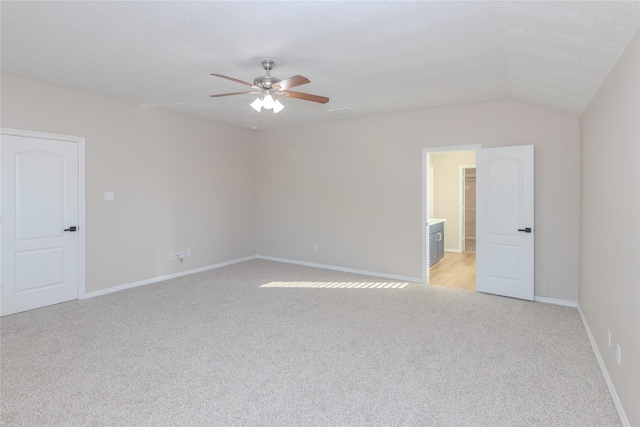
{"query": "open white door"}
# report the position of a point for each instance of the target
(504, 221)
(40, 219)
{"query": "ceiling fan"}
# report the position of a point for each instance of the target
(269, 87)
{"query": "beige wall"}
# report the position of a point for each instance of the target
(610, 225)
(179, 182)
(354, 187)
(446, 203)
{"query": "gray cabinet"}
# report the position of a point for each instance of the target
(436, 243)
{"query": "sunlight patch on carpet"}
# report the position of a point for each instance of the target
(359, 285)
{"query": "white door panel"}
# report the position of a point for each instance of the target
(40, 261)
(39, 269)
(39, 186)
(504, 212)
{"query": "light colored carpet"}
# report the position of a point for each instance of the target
(216, 348)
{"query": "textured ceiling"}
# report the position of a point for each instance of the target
(372, 57)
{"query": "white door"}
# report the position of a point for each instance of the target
(504, 221)
(40, 264)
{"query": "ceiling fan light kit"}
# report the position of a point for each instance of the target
(268, 87)
(268, 102)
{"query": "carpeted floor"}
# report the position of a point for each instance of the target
(218, 348)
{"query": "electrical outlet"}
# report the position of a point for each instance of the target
(618, 355)
(170, 256)
(181, 255)
(175, 255)
(315, 247)
(609, 335)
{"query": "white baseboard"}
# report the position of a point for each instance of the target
(346, 270)
(556, 301)
(605, 373)
(161, 278)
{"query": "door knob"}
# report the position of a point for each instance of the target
(526, 230)
(72, 229)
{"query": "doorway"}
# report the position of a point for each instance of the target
(451, 219)
(504, 218)
(468, 208)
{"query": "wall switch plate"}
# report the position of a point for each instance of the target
(609, 336)
(315, 247)
(108, 195)
(188, 252)
(618, 355)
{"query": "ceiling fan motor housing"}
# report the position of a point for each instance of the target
(265, 82)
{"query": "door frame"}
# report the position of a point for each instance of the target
(425, 194)
(462, 206)
(81, 194)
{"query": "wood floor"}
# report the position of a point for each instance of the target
(455, 270)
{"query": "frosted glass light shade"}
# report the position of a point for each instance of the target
(257, 104)
(277, 106)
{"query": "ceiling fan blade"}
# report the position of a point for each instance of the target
(290, 82)
(233, 93)
(306, 96)
(232, 79)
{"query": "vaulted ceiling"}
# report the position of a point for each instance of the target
(370, 57)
